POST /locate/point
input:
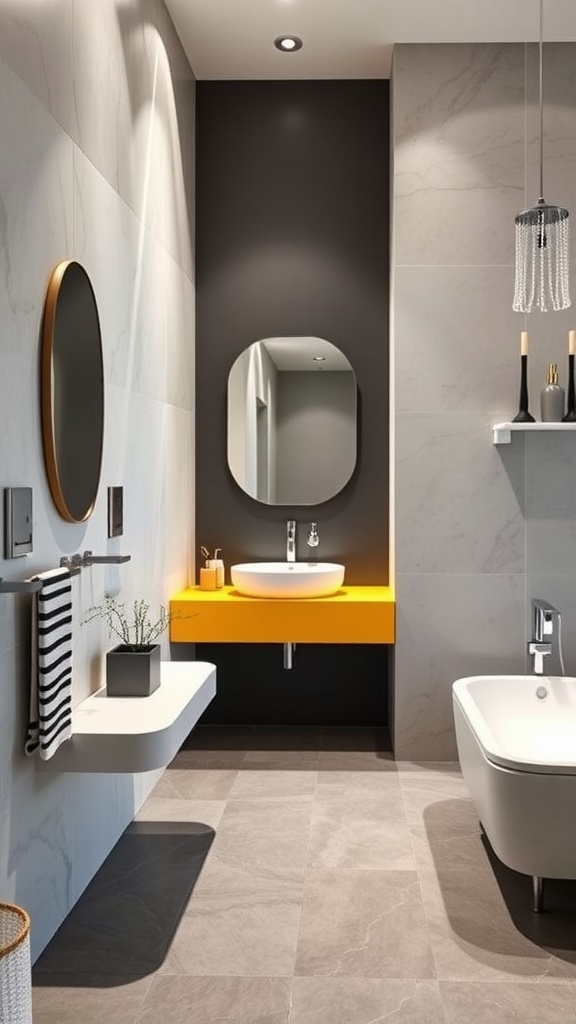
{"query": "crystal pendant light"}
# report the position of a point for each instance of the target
(542, 243)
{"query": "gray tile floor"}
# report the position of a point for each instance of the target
(305, 877)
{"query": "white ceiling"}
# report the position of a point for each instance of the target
(233, 39)
(298, 354)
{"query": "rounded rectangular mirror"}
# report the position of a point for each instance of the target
(292, 421)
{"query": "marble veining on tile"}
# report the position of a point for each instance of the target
(362, 898)
(459, 148)
(364, 924)
(447, 528)
(490, 639)
(95, 166)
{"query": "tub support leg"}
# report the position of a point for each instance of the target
(537, 894)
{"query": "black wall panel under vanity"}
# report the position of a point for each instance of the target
(331, 685)
(292, 239)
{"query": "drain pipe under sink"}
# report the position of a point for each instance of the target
(289, 650)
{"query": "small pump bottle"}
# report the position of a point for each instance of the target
(218, 565)
(208, 574)
(552, 397)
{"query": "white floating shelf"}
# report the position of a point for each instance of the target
(136, 734)
(502, 432)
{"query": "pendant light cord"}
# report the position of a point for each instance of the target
(540, 81)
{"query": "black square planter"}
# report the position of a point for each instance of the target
(132, 672)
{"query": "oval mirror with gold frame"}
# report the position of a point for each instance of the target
(72, 391)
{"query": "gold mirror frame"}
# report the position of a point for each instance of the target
(72, 391)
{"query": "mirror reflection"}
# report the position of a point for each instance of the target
(291, 421)
(72, 391)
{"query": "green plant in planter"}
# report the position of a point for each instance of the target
(132, 667)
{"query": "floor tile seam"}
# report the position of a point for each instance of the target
(381, 764)
(375, 784)
(232, 975)
(215, 977)
(140, 1011)
(191, 775)
(295, 798)
(361, 778)
(408, 816)
(307, 764)
(294, 892)
(178, 767)
(414, 775)
(353, 871)
(415, 979)
(235, 838)
(471, 832)
(410, 979)
(228, 852)
(295, 746)
(346, 812)
(92, 977)
(303, 900)
(433, 784)
(286, 795)
(255, 811)
(370, 810)
(194, 978)
(438, 789)
(383, 977)
(273, 825)
(426, 920)
(359, 872)
(533, 981)
(195, 764)
(181, 798)
(360, 806)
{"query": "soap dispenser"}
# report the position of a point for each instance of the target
(552, 397)
(218, 565)
(208, 575)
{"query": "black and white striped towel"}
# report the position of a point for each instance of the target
(51, 674)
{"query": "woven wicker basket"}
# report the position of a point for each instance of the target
(15, 972)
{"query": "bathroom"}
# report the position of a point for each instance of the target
(103, 173)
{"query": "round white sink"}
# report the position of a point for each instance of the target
(287, 579)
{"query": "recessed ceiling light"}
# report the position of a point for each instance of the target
(288, 43)
(319, 359)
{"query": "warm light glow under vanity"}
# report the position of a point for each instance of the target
(355, 615)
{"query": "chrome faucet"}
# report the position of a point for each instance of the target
(544, 616)
(291, 540)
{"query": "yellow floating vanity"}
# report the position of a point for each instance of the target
(354, 615)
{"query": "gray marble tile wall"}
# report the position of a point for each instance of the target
(479, 529)
(96, 164)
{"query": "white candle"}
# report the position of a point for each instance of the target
(524, 343)
(571, 343)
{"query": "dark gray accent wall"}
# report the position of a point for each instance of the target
(293, 239)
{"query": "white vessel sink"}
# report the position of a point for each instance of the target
(287, 579)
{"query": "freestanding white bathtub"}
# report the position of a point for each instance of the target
(516, 739)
